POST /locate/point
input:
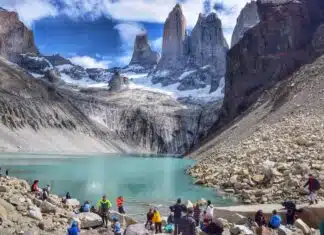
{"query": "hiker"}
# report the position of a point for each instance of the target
(313, 186)
(104, 206)
(67, 196)
(74, 229)
(259, 219)
(205, 221)
(197, 212)
(116, 226)
(157, 220)
(291, 213)
(169, 227)
(46, 192)
(215, 227)
(93, 209)
(187, 224)
(120, 204)
(275, 220)
(85, 207)
(209, 210)
(177, 210)
(35, 188)
(7, 172)
(149, 218)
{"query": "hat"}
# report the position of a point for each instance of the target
(114, 218)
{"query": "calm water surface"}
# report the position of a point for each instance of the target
(144, 181)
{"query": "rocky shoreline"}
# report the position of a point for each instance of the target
(23, 214)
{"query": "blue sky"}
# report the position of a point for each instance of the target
(100, 33)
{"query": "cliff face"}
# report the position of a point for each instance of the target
(143, 54)
(174, 35)
(194, 61)
(15, 38)
(287, 37)
(248, 18)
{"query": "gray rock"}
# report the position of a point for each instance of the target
(88, 220)
(136, 229)
(143, 54)
(248, 17)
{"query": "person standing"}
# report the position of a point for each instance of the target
(104, 206)
(313, 186)
(120, 204)
(187, 225)
(149, 218)
(209, 210)
(157, 220)
(197, 212)
(177, 210)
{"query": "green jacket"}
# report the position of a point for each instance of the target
(104, 205)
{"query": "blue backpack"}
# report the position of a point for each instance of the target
(275, 221)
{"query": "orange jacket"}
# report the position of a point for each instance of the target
(119, 202)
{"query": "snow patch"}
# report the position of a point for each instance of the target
(186, 74)
(64, 67)
(162, 73)
(36, 75)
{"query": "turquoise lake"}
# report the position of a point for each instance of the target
(142, 180)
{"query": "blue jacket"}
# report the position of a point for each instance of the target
(275, 221)
(117, 227)
(74, 230)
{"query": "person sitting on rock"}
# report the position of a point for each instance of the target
(157, 220)
(35, 188)
(74, 229)
(85, 207)
(275, 220)
(46, 192)
(67, 196)
(259, 218)
(197, 212)
(149, 218)
(120, 204)
(313, 186)
(104, 206)
(116, 226)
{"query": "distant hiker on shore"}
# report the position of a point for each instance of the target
(157, 220)
(177, 209)
(120, 204)
(104, 206)
(275, 220)
(197, 212)
(187, 224)
(149, 218)
(313, 186)
(74, 229)
(7, 172)
(116, 226)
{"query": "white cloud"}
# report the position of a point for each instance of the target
(157, 44)
(30, 10)
(128, 32)
(89, 62)
(124, 60)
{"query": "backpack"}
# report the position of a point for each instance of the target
(316, 184)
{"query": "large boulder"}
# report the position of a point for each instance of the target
(302, 226)
(136, 229)
(47, 207)
(73, 202)
(123, 218)
(88, 220)
(35, 213)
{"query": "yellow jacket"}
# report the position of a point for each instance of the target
(157, 217)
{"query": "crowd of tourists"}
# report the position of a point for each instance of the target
(182, 219)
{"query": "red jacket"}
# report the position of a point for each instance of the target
(119, 202)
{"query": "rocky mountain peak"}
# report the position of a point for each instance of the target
(15, 37)
(143, 54)
(173, 36)
(247, 19)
